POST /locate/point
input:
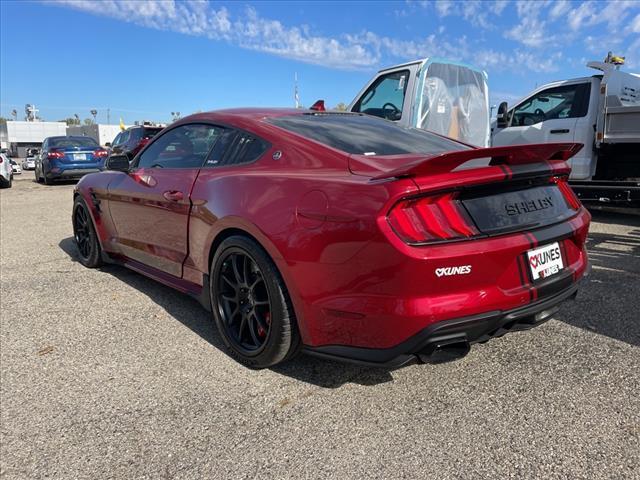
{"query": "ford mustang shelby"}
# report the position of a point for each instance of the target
(339, 234)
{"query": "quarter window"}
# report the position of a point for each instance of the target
(235, 148)
(185, 146)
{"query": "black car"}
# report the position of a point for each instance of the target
(130, 141)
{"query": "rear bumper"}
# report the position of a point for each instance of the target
(465, 330)
(71, 173)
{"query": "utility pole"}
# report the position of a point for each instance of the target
(94, 112)
(296, 96)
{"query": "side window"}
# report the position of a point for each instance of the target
(235, 148)
(567, 101)
(385, 97)
(185, 146)
(116, 141)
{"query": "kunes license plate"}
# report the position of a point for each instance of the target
(545, 261)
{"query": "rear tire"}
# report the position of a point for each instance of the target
(251, 305)
(85, 236)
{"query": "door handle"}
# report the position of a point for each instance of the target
(560, 130)
(173, 195)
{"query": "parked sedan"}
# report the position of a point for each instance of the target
(67, 158)
(343, 235)
(29, 163)
(15, 167)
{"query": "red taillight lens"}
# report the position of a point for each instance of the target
(54, 155)
(100, 153)
(431, 219)
(572, 200)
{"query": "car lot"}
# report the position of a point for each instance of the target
(105, 373)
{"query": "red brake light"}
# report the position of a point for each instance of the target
(431, 219)
(572, 200)
(100, 153)
(54, 154)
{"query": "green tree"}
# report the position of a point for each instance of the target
(3, 120)
(88, 121)
(342, 107)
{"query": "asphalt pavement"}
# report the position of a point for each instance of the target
(106, 374)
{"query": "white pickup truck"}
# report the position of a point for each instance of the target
(602, 112)
(444, 97)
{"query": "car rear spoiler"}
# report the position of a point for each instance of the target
(510, 155)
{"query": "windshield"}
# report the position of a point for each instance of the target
(72, 142)
(365, 135)
(453, 101)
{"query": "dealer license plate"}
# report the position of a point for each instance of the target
(79, 156)
(545, 261)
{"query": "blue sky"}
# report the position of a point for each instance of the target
(145, 59)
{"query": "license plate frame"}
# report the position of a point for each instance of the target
(80, 157)
(545, 261)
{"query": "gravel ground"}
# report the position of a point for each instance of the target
(105, 374)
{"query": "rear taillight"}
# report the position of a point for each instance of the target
(431, 219)
(100, 153)
(54, 155)
(568, 194)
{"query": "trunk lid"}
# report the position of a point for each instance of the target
(497, 190)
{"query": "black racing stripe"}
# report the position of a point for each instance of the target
(505, 171)
(555, 232)
(530, 170)
(533, 241)
(524, 278)
(521, 272)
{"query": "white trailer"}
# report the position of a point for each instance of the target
(602, 112)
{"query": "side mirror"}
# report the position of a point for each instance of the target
(501, 116)
(119, 163)
(108, 144)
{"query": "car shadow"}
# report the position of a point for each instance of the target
(607, 302)
(322, 373)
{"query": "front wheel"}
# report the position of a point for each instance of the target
(85, 235)
(251, 305)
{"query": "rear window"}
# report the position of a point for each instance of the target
(150, 132)
(365, 135)
(72, 142)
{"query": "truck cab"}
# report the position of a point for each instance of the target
(602, 112)
(441, 96)
(563, 111)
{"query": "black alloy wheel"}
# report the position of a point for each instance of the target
(85, 235)
(243, 301)
(251, 305)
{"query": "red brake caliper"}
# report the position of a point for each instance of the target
(261, 331)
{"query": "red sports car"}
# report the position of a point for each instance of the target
(340, 234)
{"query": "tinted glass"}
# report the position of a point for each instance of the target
(150, 132)
(72, 142)
(244, 148)
(360, 134)
(385, 97)
(185, 146)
